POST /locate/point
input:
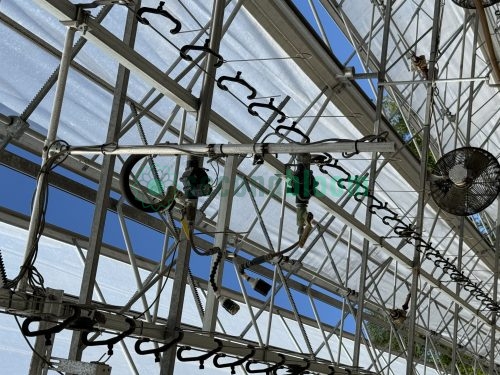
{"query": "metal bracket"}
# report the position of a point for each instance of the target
(80, 23)
(54, 307)
(11, 128)
(80, 368)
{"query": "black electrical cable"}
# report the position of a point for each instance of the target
(212, 251)
(34, 278)
(165, 203)
(265, 258)
(213, 272)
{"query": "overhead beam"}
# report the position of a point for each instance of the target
(65, 11)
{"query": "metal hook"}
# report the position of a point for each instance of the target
(157, 351)
(440, 260)
(235, 363)
(448, 267)
(205, 48)
(266, 370)
(321, 159)
(239, 80)
(270, 106)
(111, 341)
(293, 129)
(49, 331)
(297, 369)
(161, 12)
(336, 166)
(200, 358)
(470, 286)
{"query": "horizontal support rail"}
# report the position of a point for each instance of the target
(236, 149)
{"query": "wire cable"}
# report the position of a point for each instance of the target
(33, 349)
(161, 289)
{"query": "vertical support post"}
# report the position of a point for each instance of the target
(36, 365)
(373, 172)
(167, 364)
(456, 317)
(223, 220)
(102, 198)
(410, 368)
(51, 136)
(494, 314)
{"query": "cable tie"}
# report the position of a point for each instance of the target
(264, 148)
(222, 154)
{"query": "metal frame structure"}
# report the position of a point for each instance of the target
(372, 257)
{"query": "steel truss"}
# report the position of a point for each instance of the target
(454, 336)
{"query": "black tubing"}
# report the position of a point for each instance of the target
(165, 204)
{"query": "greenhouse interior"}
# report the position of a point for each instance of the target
(249, 186)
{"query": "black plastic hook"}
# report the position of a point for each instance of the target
(205, 48)
(293, 129)
(470, 286)
(458, 276)
(269, 105)
(156, 351)
(161, 12)
(202, 358)
(235, 363)
(111, 341)
(449, 267)
(265, 370)
(378, 205)
(294, 369)
(321, 159)
(49, 331)
(335, 165)
(432, 253)
(441, 261)
(239, 80)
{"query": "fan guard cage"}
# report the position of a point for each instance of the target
(470, 4)
(479, 188)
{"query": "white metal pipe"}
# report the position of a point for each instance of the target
(442, 80)
(51, 136)
(237, 149)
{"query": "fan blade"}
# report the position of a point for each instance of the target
(453, 201)
(476, 163)
(476, 192)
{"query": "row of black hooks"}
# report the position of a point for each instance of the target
(78, 321)
(409, 233)
(205, 48)
(252, 366)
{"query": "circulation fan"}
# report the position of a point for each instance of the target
(465, 181)
(470, 4)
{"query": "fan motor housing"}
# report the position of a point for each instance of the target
(465, 181)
